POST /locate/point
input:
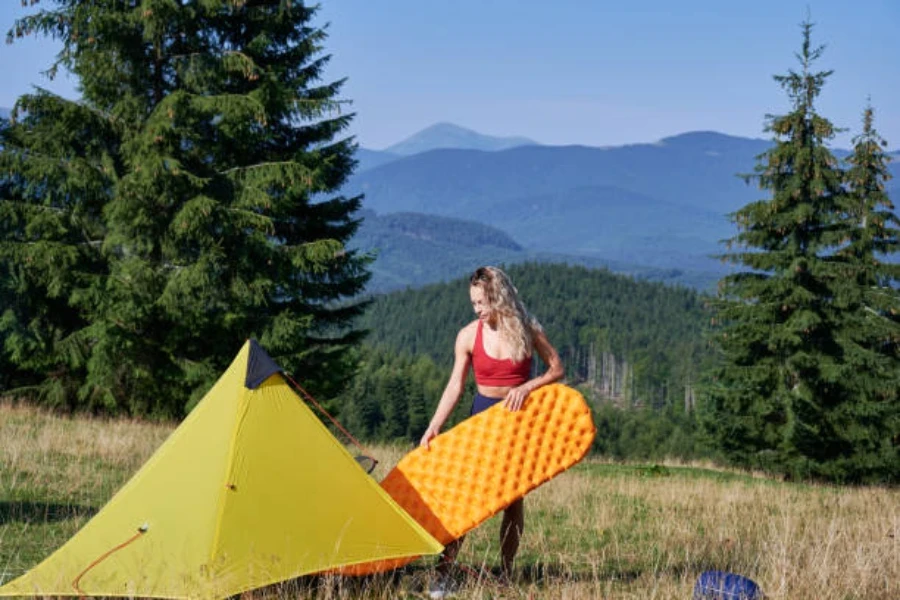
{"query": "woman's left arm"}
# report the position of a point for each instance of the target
(516, 396)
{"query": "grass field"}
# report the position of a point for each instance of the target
(601, 530)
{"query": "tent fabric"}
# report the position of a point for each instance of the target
(249, 490)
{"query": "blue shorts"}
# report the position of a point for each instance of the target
(481, 403)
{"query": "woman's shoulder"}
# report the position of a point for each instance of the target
(470, 329)
(466, 335)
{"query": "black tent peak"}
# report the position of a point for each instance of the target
(260, 366)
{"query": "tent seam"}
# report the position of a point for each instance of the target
(224, 488)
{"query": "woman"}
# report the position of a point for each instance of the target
(499, 346)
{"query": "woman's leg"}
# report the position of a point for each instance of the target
(510, 533)
(448, 556)
(443, 586)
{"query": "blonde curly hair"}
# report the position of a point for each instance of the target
(514, 323)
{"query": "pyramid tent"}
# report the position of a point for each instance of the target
(250, 489)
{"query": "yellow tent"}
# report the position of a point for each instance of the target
(250, 489)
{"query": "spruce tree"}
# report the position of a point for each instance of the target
(772, 399)
(867, 292)
(219, 217)
(392, 388)
(872, 232)
(55, 157)
(7, 293)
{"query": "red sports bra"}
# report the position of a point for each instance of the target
(494, 371)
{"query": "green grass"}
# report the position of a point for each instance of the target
(601, 530)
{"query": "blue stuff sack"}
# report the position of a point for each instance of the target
(719, 585)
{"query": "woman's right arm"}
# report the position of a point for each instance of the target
(462, 357)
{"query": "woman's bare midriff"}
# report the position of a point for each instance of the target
(493, 392)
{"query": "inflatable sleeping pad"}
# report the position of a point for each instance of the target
(485, 463)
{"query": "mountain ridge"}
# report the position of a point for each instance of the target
(441, 181)
(390, 153)
(663, 205)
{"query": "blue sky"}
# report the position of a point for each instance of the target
(587, 72)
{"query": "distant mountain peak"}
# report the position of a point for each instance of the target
(449, 135)
(692, 137)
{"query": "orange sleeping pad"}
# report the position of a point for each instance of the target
(485, 463)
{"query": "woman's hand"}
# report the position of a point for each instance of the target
(429, 435)
(515, 397)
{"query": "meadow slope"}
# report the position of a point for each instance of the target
(602, 530)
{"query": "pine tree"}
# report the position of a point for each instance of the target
(7, 290)
(867, 292)
(779, 381)
(392, 389)
(219, 217)
(873, 229)
(55, 157)
(422, 396)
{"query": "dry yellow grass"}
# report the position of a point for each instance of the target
(599, 531)
(650, 536)
(40, 450)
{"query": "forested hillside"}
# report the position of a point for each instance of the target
(415, 249)
(591, 316)
(625, 343)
